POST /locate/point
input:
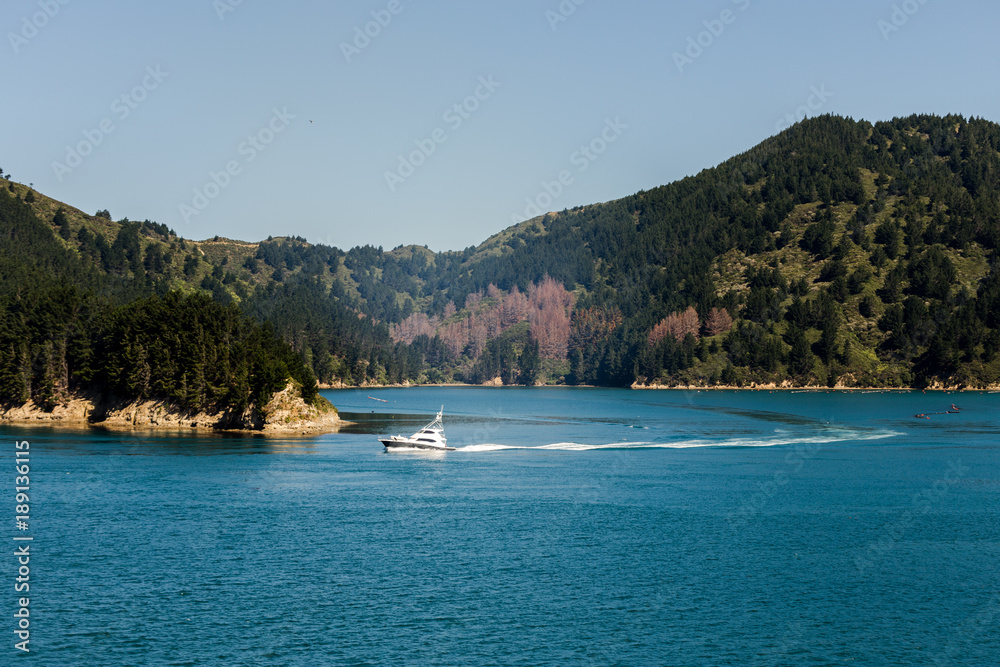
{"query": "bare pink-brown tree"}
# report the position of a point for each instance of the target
(549, 308)
(717, 322)
(677, 325)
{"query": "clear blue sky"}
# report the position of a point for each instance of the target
(203, 77)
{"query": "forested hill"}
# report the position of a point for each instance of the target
(100, 265)
(837, 252)
(69, 327)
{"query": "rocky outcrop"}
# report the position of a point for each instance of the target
(285, 413)
(76, 411)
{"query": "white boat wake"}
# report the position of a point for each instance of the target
(838, 436)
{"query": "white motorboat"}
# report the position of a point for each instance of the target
(430, 437)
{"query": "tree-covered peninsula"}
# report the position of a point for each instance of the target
(70, 327)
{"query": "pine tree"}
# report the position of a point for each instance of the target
(800, 358)
(62, 222)
(529, 364)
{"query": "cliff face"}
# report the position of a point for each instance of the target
(285, 413)
(74, 412)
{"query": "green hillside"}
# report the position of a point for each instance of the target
(299, 289)
(67, 326)
(836, 253)
(845, 252)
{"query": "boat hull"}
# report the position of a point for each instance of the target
(430, 438)
(409, 444)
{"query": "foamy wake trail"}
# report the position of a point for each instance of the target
(488, 448)
(777, 441)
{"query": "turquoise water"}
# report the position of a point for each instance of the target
(571, 526)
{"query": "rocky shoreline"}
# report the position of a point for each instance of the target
(285, 414)
(787, 386)
(753, 386)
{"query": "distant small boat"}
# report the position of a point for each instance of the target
(378, 399)
(430, 437)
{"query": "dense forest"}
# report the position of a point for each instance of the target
(98, 322)
(835, 253)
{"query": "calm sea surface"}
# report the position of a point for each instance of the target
(571, 526)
